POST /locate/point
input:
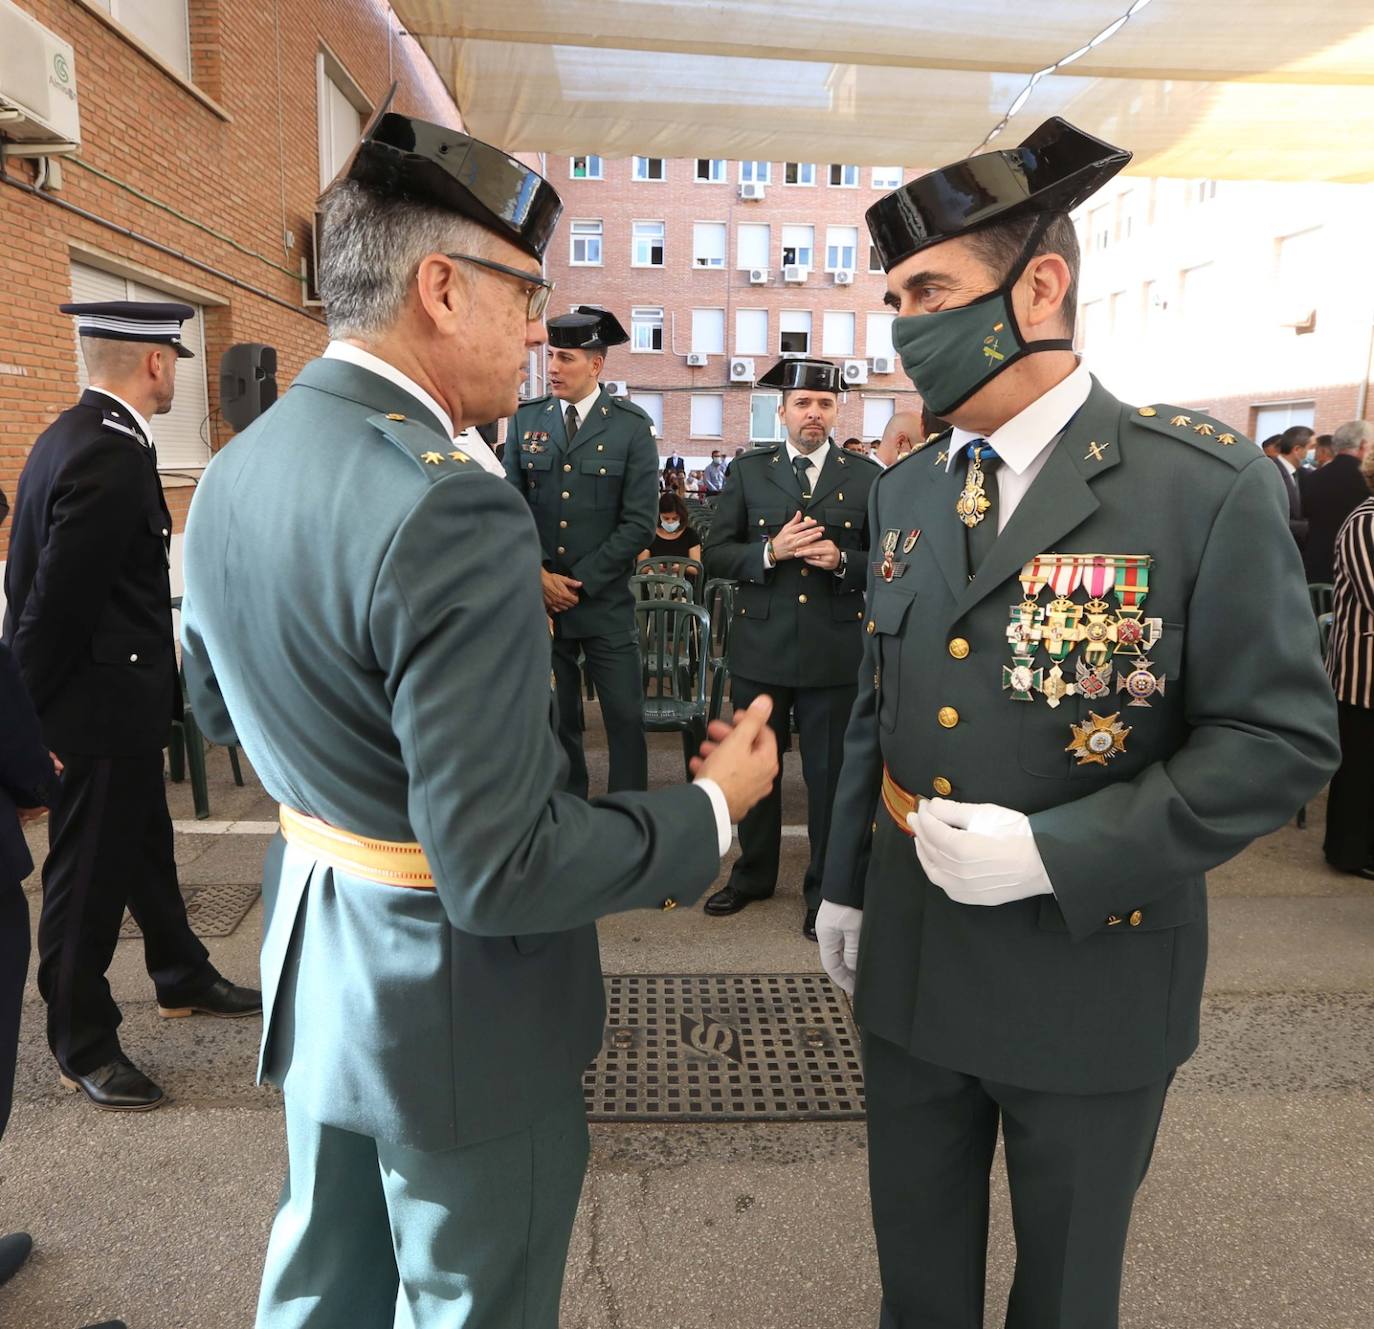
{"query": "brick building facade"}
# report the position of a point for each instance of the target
(202, 154)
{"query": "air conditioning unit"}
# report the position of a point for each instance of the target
(856, 371)
(844, 277)
(617, 387)
(698, 359)
(38, 106)
(752, 189)
(883, 364)
(795, 272)
(758, 276)
(741, 371)
(310, 263)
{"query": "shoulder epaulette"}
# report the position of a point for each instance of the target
(919, 448)
(1185, 425)
(631, 408)
(847, 457)
(759, 450)
(422, 445)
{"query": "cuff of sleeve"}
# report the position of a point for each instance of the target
(768, 563)
(722, 810)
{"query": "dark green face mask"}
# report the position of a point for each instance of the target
(950, 355)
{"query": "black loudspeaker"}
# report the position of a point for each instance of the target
(247, 382)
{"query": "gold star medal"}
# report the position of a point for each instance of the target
(431, 458)
(1099, 740)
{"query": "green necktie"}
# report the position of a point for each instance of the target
(802, 465)
(570, 422)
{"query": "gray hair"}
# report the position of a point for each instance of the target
(370, 249)
(1351, 435)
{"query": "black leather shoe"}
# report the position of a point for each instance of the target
(222, 999)
(727, 900)
(809, 925)
(14, 1250)
(117, 1086)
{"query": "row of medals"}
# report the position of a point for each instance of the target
(1105, 637)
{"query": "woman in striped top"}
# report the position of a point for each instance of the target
(1349, 843)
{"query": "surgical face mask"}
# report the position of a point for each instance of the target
(670, 525)
(952, 354)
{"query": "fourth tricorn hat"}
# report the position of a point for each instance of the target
(587, 328)
(1054, 170)
(792, 372)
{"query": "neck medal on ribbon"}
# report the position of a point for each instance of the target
(973, 498)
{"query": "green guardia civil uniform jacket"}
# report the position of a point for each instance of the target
(1096, 988)
(794, 625)
(595, 502)
(363, 610)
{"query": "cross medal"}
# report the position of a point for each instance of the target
(973, 499)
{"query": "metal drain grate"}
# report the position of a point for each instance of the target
(726, 1047)
(213, 911)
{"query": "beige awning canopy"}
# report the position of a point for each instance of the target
(1264, 89)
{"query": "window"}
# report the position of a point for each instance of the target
(1197, 293)
(752, 243)
(837, 332)
(878, 334)
(1299, 268)
(648, 168)
(875, 264)
(844, 177)
(342, 109)
(799, 173)
(764, 425)
(711, 170)
(877, 412)
(584, 168)
(708, 415)
(798, 245)
(751, 332)
(647, 244)
(1275, 417)
(585, 244)
(887, 177)
(1127, 206)
(1203, 191)
(652, 403)
(182, 435)
(160, 25)
(708, 244)
(794, 332)
(1091, 324)
(757, 173)
(1100, 227)
(841, 247)
(708, 331)
(646, 328)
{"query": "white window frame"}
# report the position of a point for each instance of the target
(874, 259)
(830, 264)
(810, 249)
(799, 183)
(644, 319)
(830, 317)
(870, 433)
(636, 239)
(892, 180)
(792, 332)
(652, 404)
(871, 346)
(752, 350)
(715, 167)
(588, 158)
(331, 71)
(849, 175)
(711, 264)
(639, 167)
(718, 406)
(748, 173)
(774, 400)
(585, 237)
(740, 265)
(178, 61)
(717, 346)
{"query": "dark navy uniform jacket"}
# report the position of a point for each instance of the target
(26, 771)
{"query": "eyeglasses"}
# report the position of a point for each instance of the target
(540, 287)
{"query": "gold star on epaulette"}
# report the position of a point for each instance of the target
(1180, 421)
(459, 456)
(1204, 429)
(1226, 439)
(431, 458)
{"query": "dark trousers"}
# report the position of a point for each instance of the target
(613, 664)
(109, 846)
(822, 715)
(1074, 1163)
(14, 968)
(1349, 843)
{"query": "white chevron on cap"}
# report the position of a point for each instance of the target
(133, 326)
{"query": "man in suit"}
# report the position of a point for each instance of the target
(431, 979)
(674, 461)
(791, 528)
(1045, 785)
(1289, 453)
(1331, 494)
(89, 618)
(585, 463)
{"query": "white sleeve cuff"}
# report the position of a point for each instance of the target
(768, 563)
(722, 810)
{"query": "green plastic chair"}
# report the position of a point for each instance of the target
(666, 565)
(186, 750)
(1324, 627)
(719, 599)
(652, 586)
(674, 648)
(1321, 594)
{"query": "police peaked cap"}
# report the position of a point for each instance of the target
(1054, 170)
(401, 157)
(586, 329)
(791, 373)
(156, 322)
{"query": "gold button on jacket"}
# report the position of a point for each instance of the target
(959, 648)
(948, 717)
(942, 786)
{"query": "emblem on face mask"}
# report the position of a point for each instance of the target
(990, 349)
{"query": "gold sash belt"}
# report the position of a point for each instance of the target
(383, 861)
(898, 802)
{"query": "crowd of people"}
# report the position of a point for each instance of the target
(1010, 812)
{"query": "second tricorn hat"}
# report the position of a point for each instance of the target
(792, 372)
(587, 328)
(1054, 170)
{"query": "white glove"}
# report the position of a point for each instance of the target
(837, 931)
(978, 853)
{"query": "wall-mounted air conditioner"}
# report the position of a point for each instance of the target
(38, 104)
(751, 189)
(795, 272)
(698, 359)
(883, 364)
(741, 371)
(844, 277)
(617, 387)
(758, 276)
(855, 371)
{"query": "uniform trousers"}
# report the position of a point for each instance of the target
(1074, 1163)
(1349, 843)
(370, 1234)
(14, 968)
(822, 716)
(614, 667)
(109, 846)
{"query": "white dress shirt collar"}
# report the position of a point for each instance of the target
(143, 426)
(355, 355)
(817, 458)
(584, 407)
(1028, 433)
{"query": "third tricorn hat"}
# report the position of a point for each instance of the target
(792, 372)
(155, 321)
(587, 328)
(401, 157)
(1054, 170)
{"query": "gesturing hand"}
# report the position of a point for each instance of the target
(741, 757)
(796, 537)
